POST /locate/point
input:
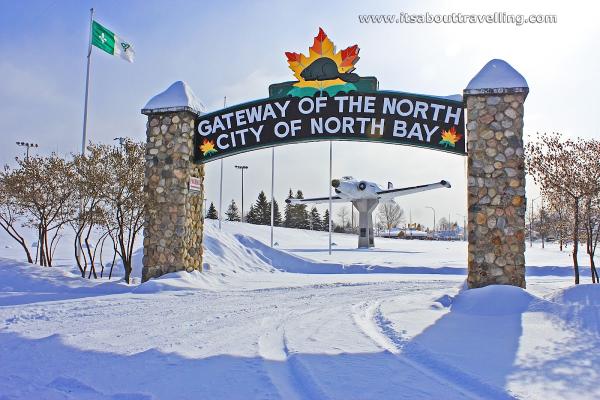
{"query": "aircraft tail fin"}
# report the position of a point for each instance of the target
(390, 186)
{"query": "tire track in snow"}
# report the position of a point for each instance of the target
(369, 317)
(287, 374)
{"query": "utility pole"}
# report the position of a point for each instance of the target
(531, 225)
(242, 168)
(27, 146)
(329, 184)
(531, 222)
(122, 141)
(272, 192)
(464, 225)
(221, 181)
(542, 228)
(432, 209)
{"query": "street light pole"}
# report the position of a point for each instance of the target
(272, 192)
(531, 222)
(122, 142)
(542, 232)
(221, 181)
(27, 146)
(330, 178)
(432, 209)
(242, 168)
(464, 225)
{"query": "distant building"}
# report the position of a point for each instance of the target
(392, 233)
(413, 234)
(454, 234)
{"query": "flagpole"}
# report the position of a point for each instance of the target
(330, 178)
(221, 180)
(87, 84)
(85, 106)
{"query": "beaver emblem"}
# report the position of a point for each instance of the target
(324, 69)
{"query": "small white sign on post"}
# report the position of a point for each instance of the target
(195, 184)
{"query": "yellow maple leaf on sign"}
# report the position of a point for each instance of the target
(322, 47)
(207, 147)
(450, 137)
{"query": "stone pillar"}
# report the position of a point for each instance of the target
(174, 216)
(496, 176)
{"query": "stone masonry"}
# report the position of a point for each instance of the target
(496, 186)
(173, 224)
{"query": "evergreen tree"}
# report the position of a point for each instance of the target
(288, 212)
(315, 219)
(232, 212)
(212, 212)
(301, 217)
(262, 210)
(277, 221)
(277, 214)
(325, 224)
(251, 216)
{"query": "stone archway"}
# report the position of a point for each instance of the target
(496, 179)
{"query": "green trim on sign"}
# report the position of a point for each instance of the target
(286, 89)
(331, 90)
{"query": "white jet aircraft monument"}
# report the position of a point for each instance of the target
(365, 196)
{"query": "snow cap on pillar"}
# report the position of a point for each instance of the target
(177, 97)
(497, 76)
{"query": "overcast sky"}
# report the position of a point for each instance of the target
(236, 49)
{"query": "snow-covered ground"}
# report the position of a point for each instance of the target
(295, 323)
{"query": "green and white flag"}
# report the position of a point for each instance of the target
(105, 40)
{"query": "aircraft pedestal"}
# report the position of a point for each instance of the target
(365, 222)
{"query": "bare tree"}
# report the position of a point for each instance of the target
(12, 217)
(390, 214)
(42, 188)
(125, 199)
(565, 167)
(92, 179)
(343, 216)
(557, 216)
(591, 225)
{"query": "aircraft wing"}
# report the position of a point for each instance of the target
(316, 200)
(391, 193)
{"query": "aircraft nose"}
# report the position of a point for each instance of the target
(335, 183)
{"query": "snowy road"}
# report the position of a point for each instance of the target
(317, 341)
(242, 329)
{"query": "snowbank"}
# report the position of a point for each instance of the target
(493, 300)
(582, 295)
(23, 283)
